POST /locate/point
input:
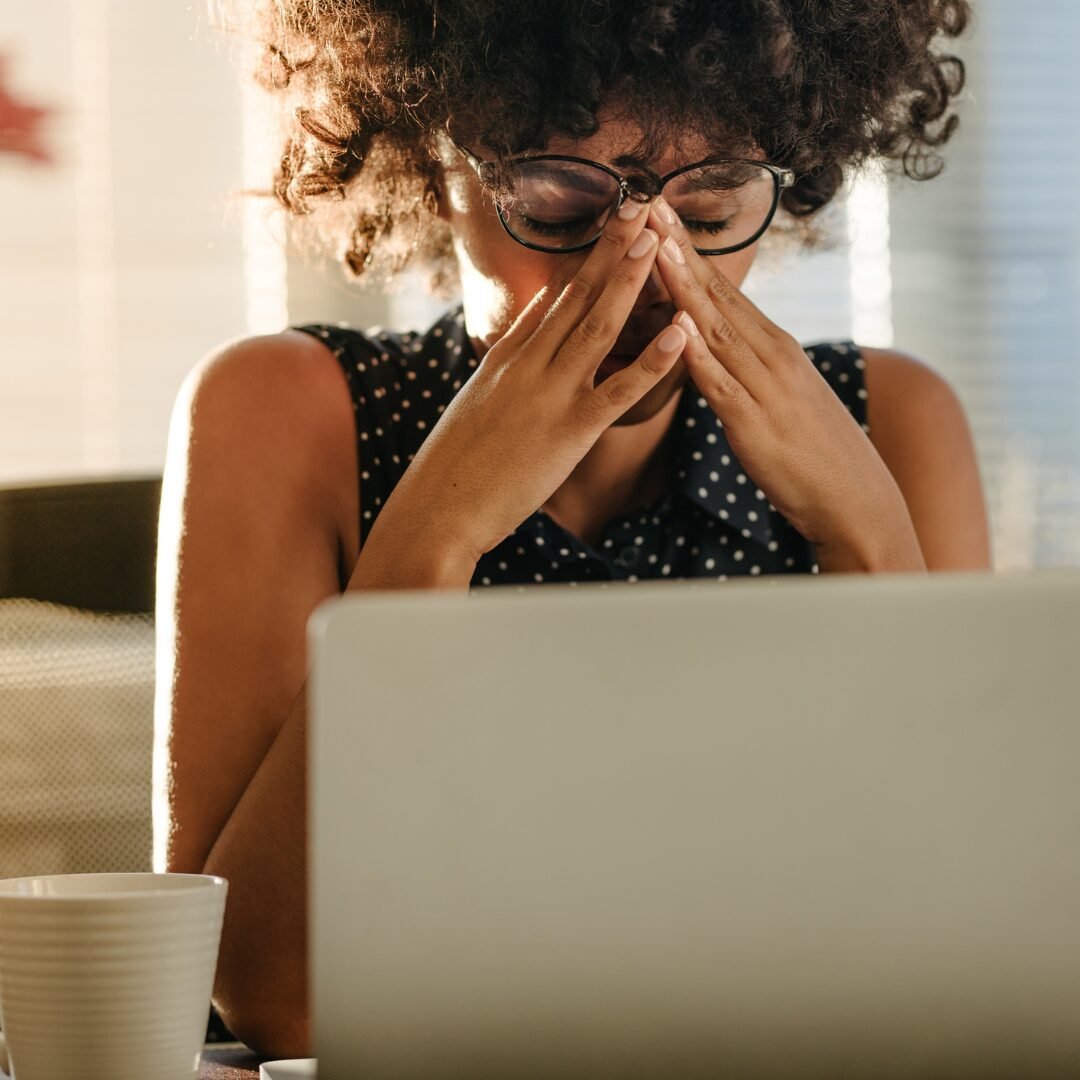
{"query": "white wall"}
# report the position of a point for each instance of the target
(120, 267)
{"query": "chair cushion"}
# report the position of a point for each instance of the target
(76, 738)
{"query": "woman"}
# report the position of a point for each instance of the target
(603, 404)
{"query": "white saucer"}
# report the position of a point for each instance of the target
(292, 1069)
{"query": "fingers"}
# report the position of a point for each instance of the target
(596, 331)
(528, 319)
(610, 257)
(724, 392)
(702, 276)
(619, 391)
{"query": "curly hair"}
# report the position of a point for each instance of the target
(821, 86)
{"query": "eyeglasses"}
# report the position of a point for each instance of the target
(559, 204)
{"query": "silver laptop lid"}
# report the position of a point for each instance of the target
(830, 827)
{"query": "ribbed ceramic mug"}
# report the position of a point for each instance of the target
(107, 976)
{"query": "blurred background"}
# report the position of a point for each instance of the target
(126, 253)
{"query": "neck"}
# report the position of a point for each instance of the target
(626, 468)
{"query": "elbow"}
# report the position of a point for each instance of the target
(263, 999)
(261, 985)
(268, 1029)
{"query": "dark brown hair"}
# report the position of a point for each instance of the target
(821, 86)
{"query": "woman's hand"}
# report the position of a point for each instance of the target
(532, 409)
(791, 433)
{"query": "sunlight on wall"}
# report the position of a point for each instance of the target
(870, 269)
(96, 298)
(265, 267)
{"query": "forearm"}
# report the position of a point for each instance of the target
(889, 545)
(261, 987)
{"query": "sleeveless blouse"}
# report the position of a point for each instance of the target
(713, 522)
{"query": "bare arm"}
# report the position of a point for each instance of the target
(258, 526)
(918, 426)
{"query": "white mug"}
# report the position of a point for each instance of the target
(107, 976)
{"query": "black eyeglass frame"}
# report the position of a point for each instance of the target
(486, 172)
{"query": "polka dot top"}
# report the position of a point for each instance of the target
(712, 523)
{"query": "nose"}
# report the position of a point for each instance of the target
(654, 292)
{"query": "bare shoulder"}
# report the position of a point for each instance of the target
(268, 380)
(918, 425)
(272, 410)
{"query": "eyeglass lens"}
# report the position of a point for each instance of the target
(563, 204)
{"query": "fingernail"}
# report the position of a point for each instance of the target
(684, 320)
(674, 252)
(643, 244)
(667, 215)
(671, 339)
(630, 209)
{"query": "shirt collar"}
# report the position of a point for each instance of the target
(707, 470)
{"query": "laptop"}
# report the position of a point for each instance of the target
(760, 828)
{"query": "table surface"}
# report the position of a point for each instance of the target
(229, 1061)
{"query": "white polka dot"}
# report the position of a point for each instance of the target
(752, 515)
(538, 577)
(789, 561)
(690, 421)
(825, 365)
(639, 540)
(724, 459)
(773, 545)
(711, 437)
(741, 478)
(714, 476)
(665, 569)
(703, 493)
(710, 564)
(738, 555)
(730, 496)
(861, 393)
